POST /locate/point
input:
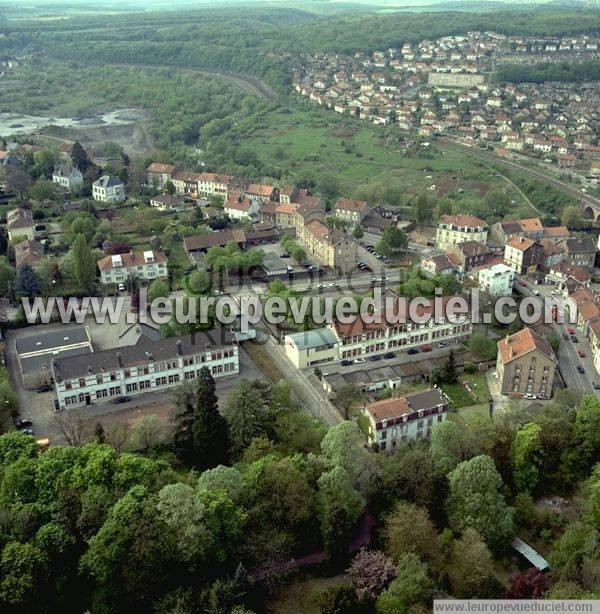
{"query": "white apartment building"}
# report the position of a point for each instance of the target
(143, 265)
(455, 229)
(108, 189)
(148, 366)
(241, 208)
(210, 184)
(402, 419)
(67, 177)
(593, 336)
(312, 348)
(497, 280)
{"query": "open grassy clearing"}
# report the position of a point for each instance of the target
(309, 143)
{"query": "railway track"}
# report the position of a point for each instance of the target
(564, 187)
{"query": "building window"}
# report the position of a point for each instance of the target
(420, 424)
(82, 382)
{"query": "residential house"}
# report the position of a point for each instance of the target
(330, 247)
(168, 203)
(20, 224)
(526, 364)
(455, 229)
(523, 255)
(241, 208)
(148, 366)
(351, 211)
(594, 339)
(395, 421)
(471, 254)
(158, 174)
(579, 251)
(67, 177)
(108, 189)
(146, 265)
(262, 192)
(497, 280)
(28, 252)
(438, 265)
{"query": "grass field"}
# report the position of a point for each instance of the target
(461, 397)
(304, 143)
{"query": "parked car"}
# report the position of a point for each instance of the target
(580, 369)
(374, 358)
(574, 339)
(22, 423)
(120, 400)
(596, 385)
(426, 348)
(522, 283)
(27, 431)
(528, 395)
(358, 360)
(121, 288)
(44, 388)
(389, 355)
(556, 292)
(566, 336)
(571, 331)
(345, 363)
(413, 351)
(443, 344)
(535, 292)
(285, 255)
(581, 353)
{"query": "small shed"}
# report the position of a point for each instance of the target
(537, 560)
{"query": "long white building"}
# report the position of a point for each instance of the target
(148, 366)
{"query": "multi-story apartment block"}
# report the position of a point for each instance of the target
(523, 255)
(211, 184)
(108, 189)
(158, 174)
(147, 366)
(68, 177)
(185, 184)
(594, 339)
(526, 364)
(330, 246)
(351, 211)
(143, 265)
(497, 280)
(455, 229)
(402, 419)
(363, 339)
(579, 251)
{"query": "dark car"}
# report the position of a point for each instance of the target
(345, 363)
(44, 388)
(389, 355)
(285, 255)
(574, 339)
(23, 422)
(596, 385)
(413, 351)
(374, 358)
(120, 400)
(566, 337)
(27, 431)
(580, 369)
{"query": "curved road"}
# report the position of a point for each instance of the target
(564, 187)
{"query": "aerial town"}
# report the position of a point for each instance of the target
(415, 426)
(443, 87)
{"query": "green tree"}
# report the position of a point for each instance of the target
(340, 506)
(170, 188)
(79, 157)
(470, 567)
(422, 210)
(199, 282)
(159, 288)
(482, 347)
(572, 218)
(525, 453)
(408, 529)
(209, 429)
(476, 501)
(27, 283)
(411, 587)
(244, 412)
(343, 445)
(7, 276)
(84, 264)
(358, 232)
(23, 569)
(449, 372)
(446, 448)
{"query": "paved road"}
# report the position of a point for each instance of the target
(568, 357)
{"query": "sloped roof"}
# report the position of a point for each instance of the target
(523, 342)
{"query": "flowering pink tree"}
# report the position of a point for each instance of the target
(371, 572)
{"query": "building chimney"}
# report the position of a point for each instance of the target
(120, 360)
(179, 351)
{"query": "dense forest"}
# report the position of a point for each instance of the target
(549, 71)
(207, 513)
